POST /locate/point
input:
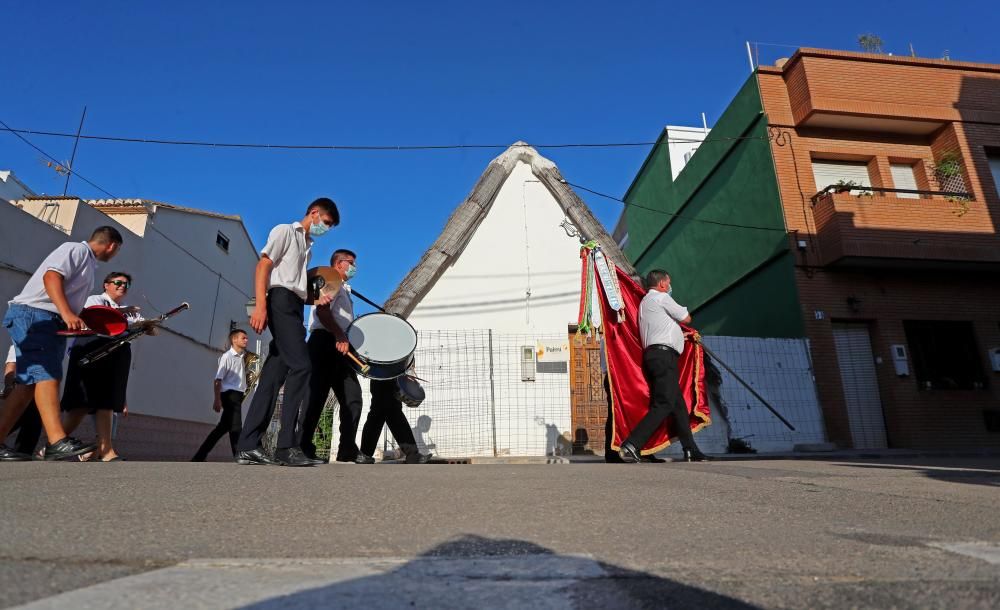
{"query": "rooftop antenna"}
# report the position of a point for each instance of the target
(704, 123)
(69, 174)
(750, 57)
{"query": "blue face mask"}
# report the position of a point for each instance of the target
(351, 271)
(318, 229)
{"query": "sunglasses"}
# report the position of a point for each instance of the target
(120, 283)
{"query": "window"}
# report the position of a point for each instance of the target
(222, 241)
(994, 159)
(829, 173)
(904, 178)
(945, 356)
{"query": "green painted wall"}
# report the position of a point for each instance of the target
(735, 280)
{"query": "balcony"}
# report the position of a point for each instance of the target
(868, 226)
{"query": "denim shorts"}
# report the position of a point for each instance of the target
(38, 348)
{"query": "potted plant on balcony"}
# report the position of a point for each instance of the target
(949, 174)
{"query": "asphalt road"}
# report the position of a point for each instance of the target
(920, 533)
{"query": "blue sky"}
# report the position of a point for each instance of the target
(402, 72)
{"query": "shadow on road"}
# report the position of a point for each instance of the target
(971, 475)
(474, 571)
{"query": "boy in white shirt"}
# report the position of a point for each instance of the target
(51, 300)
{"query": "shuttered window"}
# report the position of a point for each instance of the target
(833, 172)
(904, 178)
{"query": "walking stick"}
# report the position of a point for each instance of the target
(744, 384)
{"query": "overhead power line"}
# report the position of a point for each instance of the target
(360, 147)
(18, 133)
(674, 214)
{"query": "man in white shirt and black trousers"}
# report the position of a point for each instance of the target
(280, 287)
(662, 344)
(230, 387)
(328, 346)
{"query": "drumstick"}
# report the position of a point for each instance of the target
(364, 367)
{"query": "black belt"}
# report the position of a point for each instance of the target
(659, 346)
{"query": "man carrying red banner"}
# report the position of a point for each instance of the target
(662, 342)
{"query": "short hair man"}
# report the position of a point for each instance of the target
(328, 347)
(280, 287)
(230, 387)
(53, 297)
(662, 344)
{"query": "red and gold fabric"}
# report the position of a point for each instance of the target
(629, 390)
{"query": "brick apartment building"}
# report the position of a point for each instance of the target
(851, 199)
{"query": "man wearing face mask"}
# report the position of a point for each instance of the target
(662, 344)
(280, 287)
(331, 369)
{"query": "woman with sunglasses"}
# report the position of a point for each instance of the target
(100, 387)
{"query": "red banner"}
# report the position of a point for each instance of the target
(629, 390)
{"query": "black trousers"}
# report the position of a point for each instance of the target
(331, 371)
(287, 364)
(386, 409)
(29, 430)
(610, 455)
(665, 399)
(231, 422)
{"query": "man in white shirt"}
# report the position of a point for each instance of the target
(51, 300)
(662, 344)
(230, 388)
(280, 287)
(331, 369)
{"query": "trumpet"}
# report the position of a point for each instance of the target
(251, 366)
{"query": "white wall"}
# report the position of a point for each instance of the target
(680, 148)
(780, 371)
(518, 247)
(171, 375)
(11, 188)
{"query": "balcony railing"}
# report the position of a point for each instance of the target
(868, 190)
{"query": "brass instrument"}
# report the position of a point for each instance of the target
(251, 368)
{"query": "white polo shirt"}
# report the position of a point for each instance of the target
(231, 372)
(342, 307)
(289, 248)
(75, 262)
(659, 314)
(105, 299)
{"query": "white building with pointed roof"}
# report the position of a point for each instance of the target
(494, 299)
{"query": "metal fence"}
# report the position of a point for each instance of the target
(493, 394)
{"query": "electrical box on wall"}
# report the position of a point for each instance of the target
(995, 359)
(899, 361)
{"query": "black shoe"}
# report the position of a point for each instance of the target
(9, 455)
(68, 447)
(363, 459)
(629, 454)
(418, 458)
(255, 456)
(652, 459)
(292, 456)
(695, 455)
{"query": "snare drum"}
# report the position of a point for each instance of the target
(384, 342)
